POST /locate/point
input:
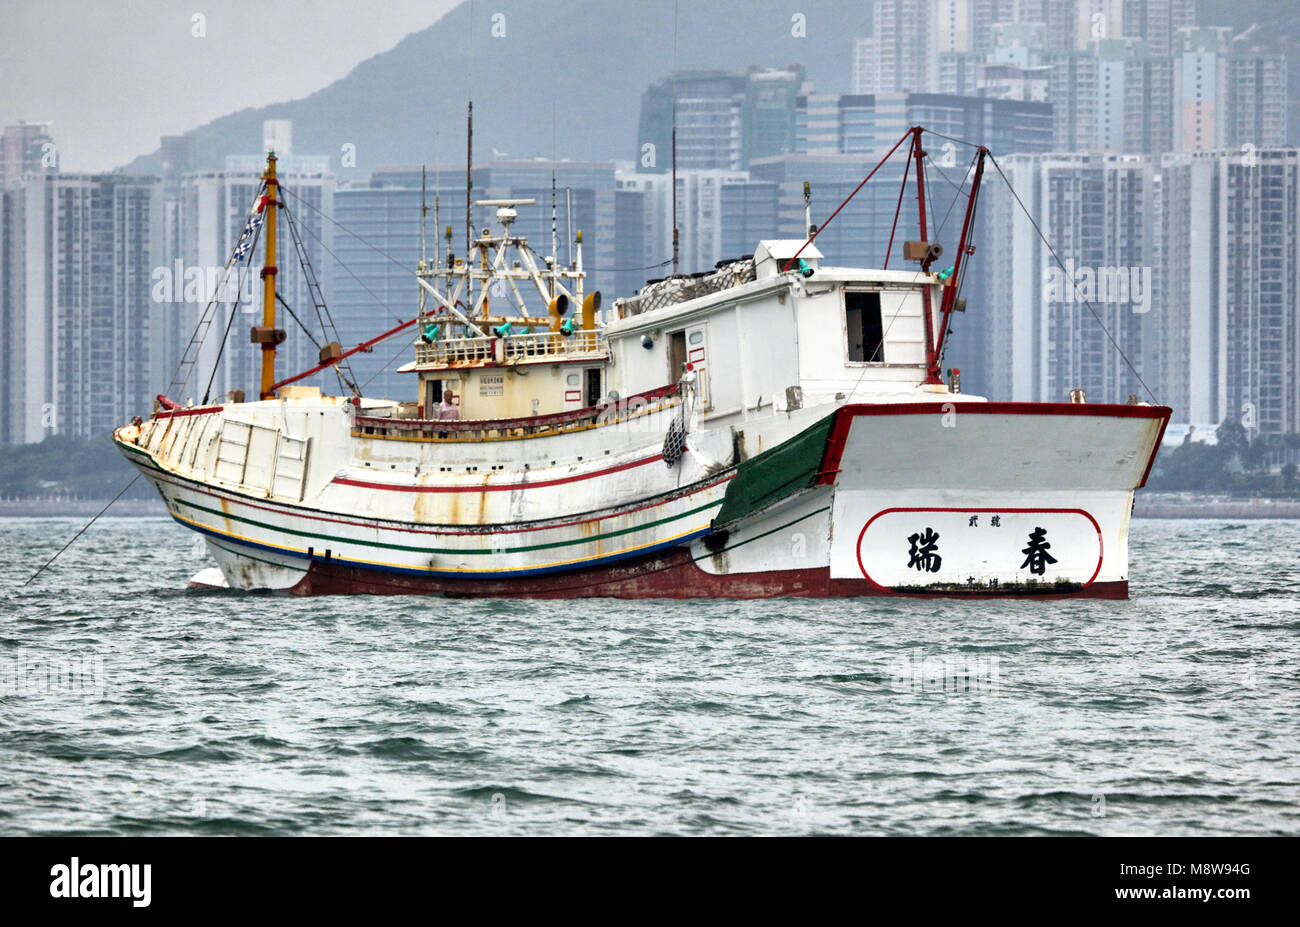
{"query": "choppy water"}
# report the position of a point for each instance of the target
(130, 705)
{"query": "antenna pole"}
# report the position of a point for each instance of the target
(424, 214)
(437, 245)
(675, 235)
(469, 203)
(555, 246)
(424, 220)
(568, 208)
(674, 92)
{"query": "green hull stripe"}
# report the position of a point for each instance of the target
(447, 550)
(440, 550)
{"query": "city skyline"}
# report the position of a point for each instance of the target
(1125, 122)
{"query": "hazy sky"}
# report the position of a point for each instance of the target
(114, 75)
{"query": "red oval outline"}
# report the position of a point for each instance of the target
(1101, 542)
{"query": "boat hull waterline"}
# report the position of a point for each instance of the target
(927, 498)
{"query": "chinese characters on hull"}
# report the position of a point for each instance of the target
(923, 551)
(1036, 556)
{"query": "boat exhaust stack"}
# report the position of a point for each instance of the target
(557, 309)
(590, 306)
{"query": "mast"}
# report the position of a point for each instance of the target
(267, 335)
(949, 300)
(931, 361)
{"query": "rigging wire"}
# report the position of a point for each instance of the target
(400, 351)
(239, 285)
(213, 302)
(959, 141)
(293, 315)
(382, 253)
(342, 369)
(216, 364)
(628, 270)
(970, 167)
(327, 321)
(205, 319)
(84, 529)
(361, 283)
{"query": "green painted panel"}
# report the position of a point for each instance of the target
(775, 474)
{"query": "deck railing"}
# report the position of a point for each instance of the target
(608, 413)
(546, 344)
(455, 351)
(515, 347)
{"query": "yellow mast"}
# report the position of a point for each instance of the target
(267, 334)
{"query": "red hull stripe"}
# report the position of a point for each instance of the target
(501, 487)
(671, 574)
(164, 476)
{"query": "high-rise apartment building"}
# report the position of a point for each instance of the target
(898, 57)
(26, 148)
(78, 255)
(1229, 327)
(1227, 93)
(724, 119)
(1042, 337)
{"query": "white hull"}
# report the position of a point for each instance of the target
(863, 479)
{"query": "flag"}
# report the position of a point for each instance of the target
(254, 222)
(246, 239)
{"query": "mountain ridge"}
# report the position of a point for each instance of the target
(597, 61)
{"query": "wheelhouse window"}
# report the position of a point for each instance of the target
(863, 329)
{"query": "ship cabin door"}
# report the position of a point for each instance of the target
(690, 346)
(676, 355)
(862, 327)
(593, 386)
(432, 397)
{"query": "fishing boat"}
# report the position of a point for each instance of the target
(775, 427)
